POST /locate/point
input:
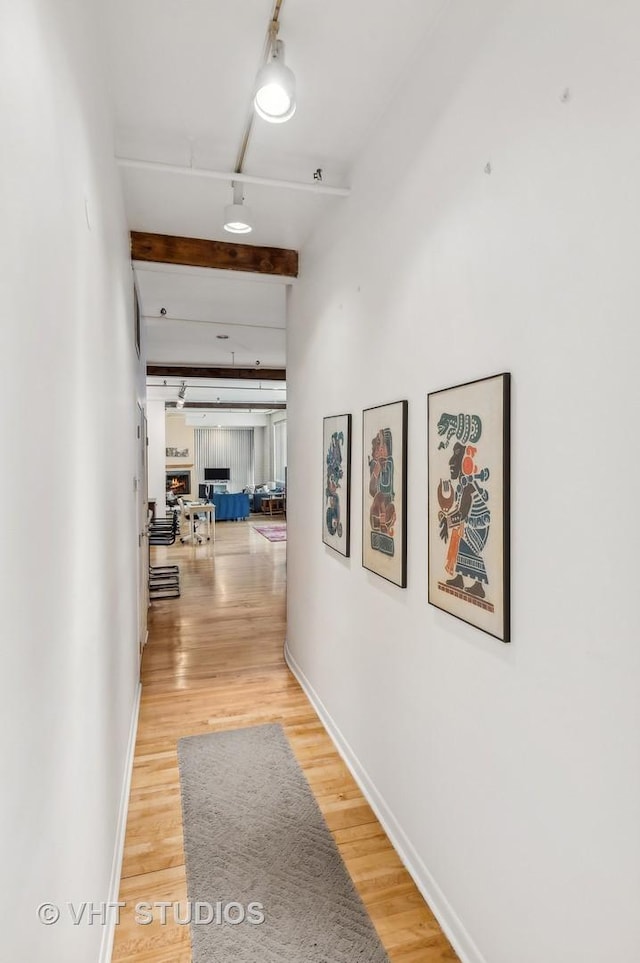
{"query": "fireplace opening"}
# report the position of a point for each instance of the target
(179, 483)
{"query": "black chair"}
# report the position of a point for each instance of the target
(164, 531)
(164, 580)
(164, 586)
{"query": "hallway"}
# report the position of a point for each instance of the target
(214, 661)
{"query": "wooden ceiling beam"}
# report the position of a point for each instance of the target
(225, 405)
(199, 371)
(226, 256)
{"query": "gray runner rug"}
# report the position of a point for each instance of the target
(253, 833)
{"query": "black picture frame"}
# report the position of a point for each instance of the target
(336, 505)
(384, 491)
(469, 502)
(136, 319)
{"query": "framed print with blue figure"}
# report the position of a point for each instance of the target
(384, 491)
(336, 509)
(468, 430)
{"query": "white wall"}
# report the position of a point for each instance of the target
(272, 419)
(70, 382)
(261, 455)
(509, 774)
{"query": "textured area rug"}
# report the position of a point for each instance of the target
(275, 533)
(253, 833)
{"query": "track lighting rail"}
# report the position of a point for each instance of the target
(230, 177)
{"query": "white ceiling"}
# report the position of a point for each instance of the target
(204, 306)
(181, 73)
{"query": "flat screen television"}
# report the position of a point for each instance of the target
(217, 474)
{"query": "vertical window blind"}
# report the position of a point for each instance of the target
(231, 448)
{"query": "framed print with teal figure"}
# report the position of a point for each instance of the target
(384, 491)
(336, 508)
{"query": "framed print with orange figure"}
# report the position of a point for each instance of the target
(384, 491)
(468, 429)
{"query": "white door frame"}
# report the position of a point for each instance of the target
(142, 513)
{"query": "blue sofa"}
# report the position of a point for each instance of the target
(230, 506)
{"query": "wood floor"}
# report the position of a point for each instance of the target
(214, 661)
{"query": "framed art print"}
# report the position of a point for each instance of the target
(136, 318)
(468, 502)
(336, 510)
(384, 491)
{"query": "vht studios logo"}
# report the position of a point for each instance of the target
(197, 912)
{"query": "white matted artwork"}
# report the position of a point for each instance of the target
(336, 509)
(468, 502)
(384, 491)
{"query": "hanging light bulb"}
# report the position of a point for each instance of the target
(237, 216)
(275, 90)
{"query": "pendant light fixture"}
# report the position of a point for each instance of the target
(275, 90)
(237, 216)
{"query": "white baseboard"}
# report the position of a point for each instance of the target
(109, 930)
(448, 919)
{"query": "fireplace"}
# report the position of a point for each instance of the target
(179, 483)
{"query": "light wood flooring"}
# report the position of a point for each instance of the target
(214, 661)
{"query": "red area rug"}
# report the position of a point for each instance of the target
(275, 533)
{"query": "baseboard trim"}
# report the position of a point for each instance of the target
(109, 930)
(448, 919)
